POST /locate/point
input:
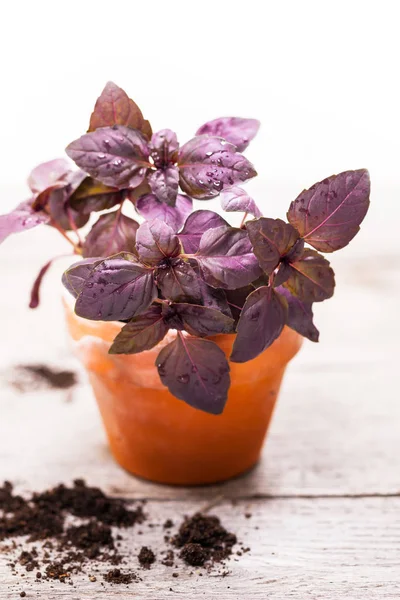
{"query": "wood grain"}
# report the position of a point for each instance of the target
(318, 549)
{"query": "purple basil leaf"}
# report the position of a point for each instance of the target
(300, 315)
(58, 202)
(261, 321)
(35, 291)
(203, 321)
(163, 147)
(178, 282)
(112, 233)
(75, 276)
(271, 240)
(226, 258)
(214, 298)
(311, 278)
(164, 184)
(208, 164)
(328, 215)
(116, 290)
(47, 174)
(235, 199)
(150, 208)
(141, 333)
(114, 107)
(196, 224)
(22, 218)
(92, 195)
(155, 242)
(195, 371)
(235, 130)
(116, 156)
(282, 274)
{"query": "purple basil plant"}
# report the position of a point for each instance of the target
(184, 270)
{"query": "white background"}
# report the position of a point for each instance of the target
(323, 78)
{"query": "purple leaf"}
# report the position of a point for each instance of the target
(261, 321)
(237, 298)
(92, 195)
(203, 321)
(178, 282)
(272, 239)
(35, 291)
(163, 148)
(311, 278)
(164, 184)
(235, 130)
(141, 333)
(235, 199)
(112, 233)
(116, 290)
(151, 208)
(58, 203)
(155, 242)
(116, 156)
(328, 215)
(114, 107)
(47, 174)
(300, 315)
(195, 371)
(214, 298)
(196, 224)
(75, 276)
(226, 258)
(208, 164)
(22, 218)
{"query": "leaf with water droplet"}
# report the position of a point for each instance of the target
(141, 333)
(127, 145)
(196, 157)
(75, 276)
(272, 239)
(196, 371)
(164, 184)
(149, 207)
(128, 289)
(179, 282)
(310, 277)
(236, 199)
(300, 315)
(112, 233)
(226, 258)
(261, 321)
(163, 148)
(22, 218)
(114, 107)
(235, 130)
(329, 214)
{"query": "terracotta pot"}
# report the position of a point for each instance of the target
(158, 437)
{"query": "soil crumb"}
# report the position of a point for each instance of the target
(116, 576)
(146, 557)
(203, 539)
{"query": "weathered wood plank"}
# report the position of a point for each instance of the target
(331, 548)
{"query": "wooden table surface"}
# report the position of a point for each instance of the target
(325, 498)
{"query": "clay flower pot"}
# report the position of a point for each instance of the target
(158, 437)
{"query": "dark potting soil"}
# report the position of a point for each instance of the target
(202, 538)
(73, 530)
(33, 377)
(146, 557)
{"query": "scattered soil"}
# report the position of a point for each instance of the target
(203, 539)
(35, 377)
(115, 576)
(146, 557)
(77, 529)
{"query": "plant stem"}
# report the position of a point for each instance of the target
(246, 214)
